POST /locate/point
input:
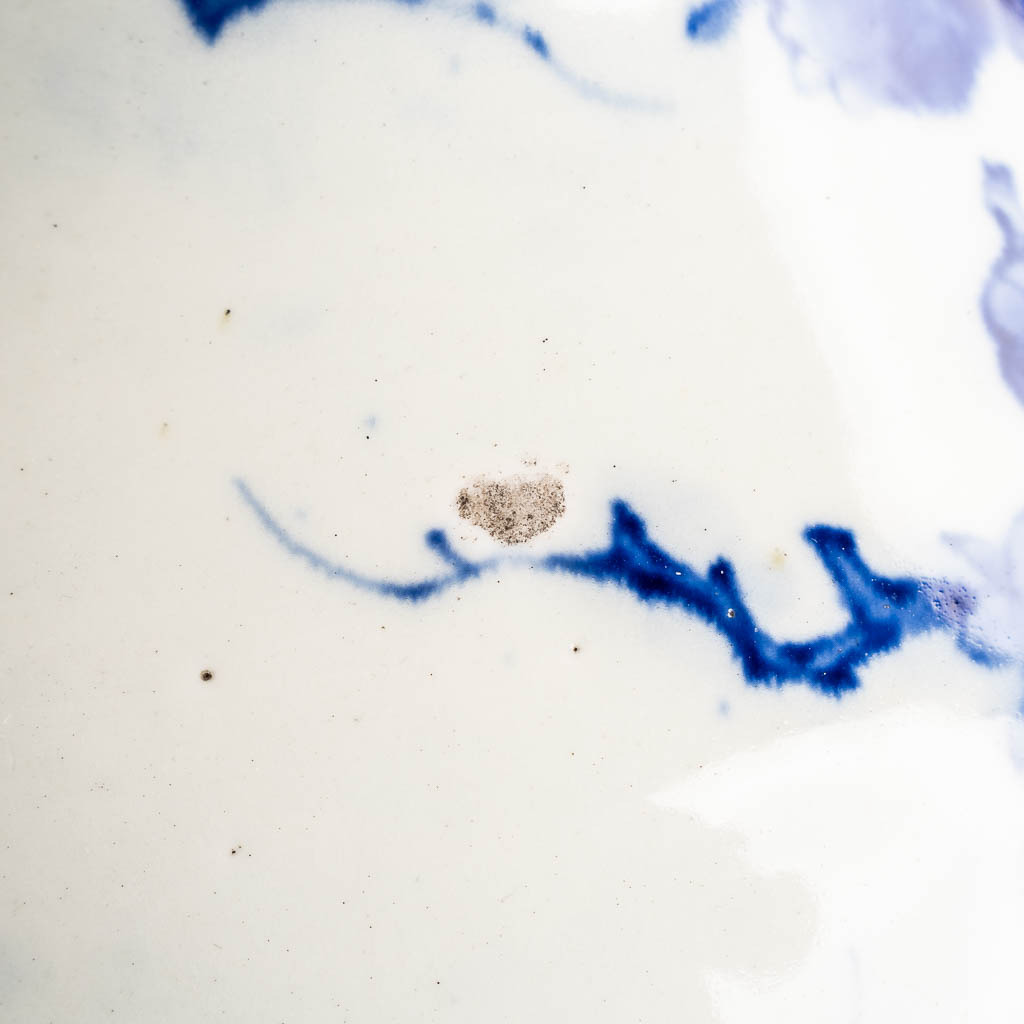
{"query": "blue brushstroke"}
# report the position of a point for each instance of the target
(485, 13)
(711, 21)
(210, 16)
(919, 55)
(883, 611)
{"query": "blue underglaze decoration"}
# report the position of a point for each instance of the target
(883, 611)
(459, 569)
(919, 55)
(210, 16)
(995, 622)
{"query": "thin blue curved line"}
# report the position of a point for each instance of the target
(461, 570)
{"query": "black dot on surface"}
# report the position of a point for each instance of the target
(206, 675)
(575, 650)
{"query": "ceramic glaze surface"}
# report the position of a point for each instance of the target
(513, 511)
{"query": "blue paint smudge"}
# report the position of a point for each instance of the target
(920, 55)
(1002, 298)
(711, 21)
(883, 611)
(210, 16)
(535, 41)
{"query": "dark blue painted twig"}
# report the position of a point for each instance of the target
(883, 611)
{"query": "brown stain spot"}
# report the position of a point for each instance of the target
(165, 429)
(206, 675)
(513, 510)
(778, 560)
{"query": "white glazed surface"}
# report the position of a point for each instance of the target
(744, 310)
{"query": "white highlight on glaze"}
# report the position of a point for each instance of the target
(897, 824)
